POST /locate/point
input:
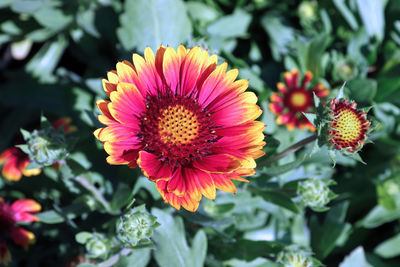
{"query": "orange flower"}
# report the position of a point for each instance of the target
(348, 127)
(294, 99)
(20, 211)
(15, 162)
(184, 121)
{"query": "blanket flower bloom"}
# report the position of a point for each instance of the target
(294, 99)
(184, 121)
(15, 162)
(349, 126)
(10, 215)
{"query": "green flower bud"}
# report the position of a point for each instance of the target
(308, 10)
(315, 193)
(136, 226)
(296, 259)
(45, 146)
(344, 70)
(96, 246)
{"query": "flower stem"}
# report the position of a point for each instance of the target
(96, 193)
(289, 150)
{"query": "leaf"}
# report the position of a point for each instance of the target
(277, 198)
(356, 258)
(325, 236)
(362, 90)
(52, 18)
(140, 257)
(231, 26)
(152, 23)
(45, 61)
(69, 212)
(378, 216)
(372, 15)
(199, 246)
(171, 245)
(200, 11)
(389, 248)
(346, 13)
(250, 250)
(310, 54)
(82, 237)
(281, 35)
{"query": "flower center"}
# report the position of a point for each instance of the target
(299, 100)
(176, 129)
(348, 126)
(178, 125)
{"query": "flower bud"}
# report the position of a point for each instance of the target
(295, 257)
(308, 11)
(45, 146)
(344, 70)
(315, 193)
(96, 246)
(136, 226)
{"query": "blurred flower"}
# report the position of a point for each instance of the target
(308, 11)
(348, 126)
(65, 124)
(76, 260)
(137, 225)
(292, 100)
(184, 120)
(316, 193)
(20, 211)
(15, 162)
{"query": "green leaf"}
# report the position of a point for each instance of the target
(278, 198)
(231, 26)
(52, 18)
(172, 248)
(281, 35)
(200, 11)
(378, 216)
(45, 61)
(346, 13)
(362, 90)
(389, 248)
(59, 216)
(152, 23)
(26, 6)
(310, 54)
(250, 250)
(325, 236)
(199, 246)
(372, 15)
(140, 257)
(83, 237)
(356, 258)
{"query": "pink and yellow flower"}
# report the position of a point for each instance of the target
(65, 124)
(293, 99)
(10, 215)
(349, 126)
(184, 120)
(15, 162)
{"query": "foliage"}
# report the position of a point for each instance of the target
(297, 209)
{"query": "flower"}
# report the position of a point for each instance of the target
(20, 211)
(5, 255)
(15, 162)
(184, 121)
(348, 127)
(292, 100)
(316, 194)
(65, 124)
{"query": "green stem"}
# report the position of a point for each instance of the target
(288, 151)
(96, 193)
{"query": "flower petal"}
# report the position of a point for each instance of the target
(152, 167)
(21, 236)
(220, 163)
(26, 205)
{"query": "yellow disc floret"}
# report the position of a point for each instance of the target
(177, 125)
